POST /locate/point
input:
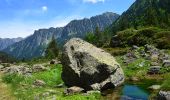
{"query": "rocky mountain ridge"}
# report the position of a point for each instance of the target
(34, 45)
(5, 42)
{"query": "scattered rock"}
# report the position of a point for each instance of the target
(39, 83)
(85, 65)
(38, 68)
(13, 70)
(134, 47)
(73, 90)
(55, 61)
(154, 70)
(155, 64)
(166, 63)
(135, 79)
(154, 57)
(1, 66)
(155, 87)
(164, 95)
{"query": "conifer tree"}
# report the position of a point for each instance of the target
(52, 50)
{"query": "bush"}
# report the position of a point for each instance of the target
(152, 35)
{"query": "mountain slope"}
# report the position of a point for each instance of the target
(145, 13)
(5, 42)
(5, 58)
(34, 45)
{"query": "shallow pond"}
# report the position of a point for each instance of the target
(131, 91)
(134, 92)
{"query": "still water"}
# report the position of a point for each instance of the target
(134, 92)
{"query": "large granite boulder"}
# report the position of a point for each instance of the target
(164, 95)
(89, 67)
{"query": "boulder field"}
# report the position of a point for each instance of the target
(89, 67)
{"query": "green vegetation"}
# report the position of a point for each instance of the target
(23, 88)
(51, 77)
(98, 38)
(151, 35)
(144, 13)
(116, 51)
(166, 82)
(137, 68)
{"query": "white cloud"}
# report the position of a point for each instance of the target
(93, 1)
(44, 8)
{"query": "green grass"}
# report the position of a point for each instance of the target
(166, 82)
(23, 88)
(138, 68)
(51, 77)
(116, 51)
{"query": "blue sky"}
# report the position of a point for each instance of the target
(19, 18)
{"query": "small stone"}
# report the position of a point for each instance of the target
(38, 68)
(155, 87)
(154, 70)
(154, 57)
(73, 90)
(39, 83)
(134, 79)
(154, 64)
(134, 47)
(166, 63)
(1, 67)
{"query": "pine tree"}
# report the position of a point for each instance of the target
(52, 50)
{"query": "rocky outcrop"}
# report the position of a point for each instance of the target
(89, 67)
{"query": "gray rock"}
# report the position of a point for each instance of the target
(164, 95)
(154, 57)
(73, 90)
(15, 69)
(38, 68)
(55, 61)
(39, 83)
(1, 66)
(134, 79)
(155, 64)
(154, 70)
(85, 65)
(134, 47)
(166, 63)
